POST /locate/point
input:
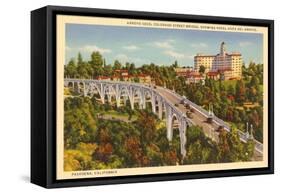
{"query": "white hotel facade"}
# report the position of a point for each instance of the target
(227, 64)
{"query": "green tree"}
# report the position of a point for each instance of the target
(71, 69)
(231, 90)
(254, 82)
(96, 63)
(202, 69)
(240, 91)
(236, 146)
(117, 65)
(84, 70)
(198, 97)
(108, 71)
(132, 69)
(175, 65)
(224, 147)
(79, 59)
(146, 122)
(249, 150)
(79, 122)
(194, 153)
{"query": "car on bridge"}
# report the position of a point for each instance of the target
(182, 101)
(210, 120)
(187, 106)
(189, 114)
(192, 110)
(220, 129)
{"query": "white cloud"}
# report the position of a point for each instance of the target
(169, 49)
(123, 58)
(178, 55)
(131, 47)
(92, 48)
(189, 56)
(164, 44)
(245, 43)
(174, 54)
(199, 45)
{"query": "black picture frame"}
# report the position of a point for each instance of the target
(43, 96)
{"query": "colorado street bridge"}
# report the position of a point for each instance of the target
(162, 101)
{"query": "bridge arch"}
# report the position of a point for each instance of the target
(131, 92)
(70, 84)
(138, 97)
(160, 106)
(123, 95)
(93, 88)
(174, 124)
(109, 92)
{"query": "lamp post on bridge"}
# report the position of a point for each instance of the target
(211, 114)
(249, 135)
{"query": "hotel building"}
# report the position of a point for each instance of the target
(229, 65)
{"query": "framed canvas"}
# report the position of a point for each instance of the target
(126, 96)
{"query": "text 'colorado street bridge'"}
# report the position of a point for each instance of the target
(162, 101)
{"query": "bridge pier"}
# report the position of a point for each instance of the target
(182, 124)
(109, 98)
(144, 105)
(117, 98)
(84, 89)
(169, 117)
(102, 93)
(142, 99)
(182, 130)
(131, 97)
(77, 89)
(132, 103)
(102, 98)
(153, 102)
(160, 109)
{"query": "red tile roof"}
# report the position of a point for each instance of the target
(193, 74)
(223, 69)
(212, 73)
(103, 77)
(121, 70)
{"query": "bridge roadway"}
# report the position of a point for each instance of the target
(198, 117)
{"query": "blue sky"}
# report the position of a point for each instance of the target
(160, 46)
